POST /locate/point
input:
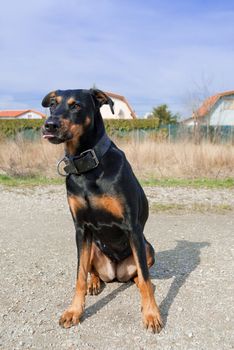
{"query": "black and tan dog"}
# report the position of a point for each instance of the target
(107, 203)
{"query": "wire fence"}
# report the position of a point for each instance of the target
(175, 133)
(169, 133)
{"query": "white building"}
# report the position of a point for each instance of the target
(22, 114)
(122, 108)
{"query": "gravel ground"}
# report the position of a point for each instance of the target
(193, 276)
(189, 197)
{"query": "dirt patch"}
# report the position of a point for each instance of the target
(193, 276)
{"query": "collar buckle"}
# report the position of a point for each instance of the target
(59, 170)
(93, 155)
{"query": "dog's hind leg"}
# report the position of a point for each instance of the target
(127, 268)
(94, 283)
(102, 269)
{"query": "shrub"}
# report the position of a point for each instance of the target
(11, 127)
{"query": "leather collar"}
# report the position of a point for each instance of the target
(86, 161)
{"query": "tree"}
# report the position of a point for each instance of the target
(195, 96)
(163, 115)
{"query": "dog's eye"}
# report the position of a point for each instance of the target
(75, 106)
(53, 103)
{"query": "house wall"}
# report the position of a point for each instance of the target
(223, 111)
(29, 115)
(120, 108)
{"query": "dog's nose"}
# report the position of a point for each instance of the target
(52, 124)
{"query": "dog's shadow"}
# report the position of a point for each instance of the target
(177, 263)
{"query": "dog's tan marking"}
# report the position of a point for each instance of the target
(110, 204)
(76, 203)
(72, 315)
(87, 121)
(59, 99)
(71, 100)
(77, 131)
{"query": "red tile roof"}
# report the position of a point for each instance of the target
(17, 113)
(210, 102)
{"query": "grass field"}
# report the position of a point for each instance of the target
(37, 180)
(154, 163)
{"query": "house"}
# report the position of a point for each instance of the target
(122, 108)
(216, 110)
(22, 114)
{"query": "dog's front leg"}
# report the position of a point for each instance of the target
(150, 311)
(72, 315)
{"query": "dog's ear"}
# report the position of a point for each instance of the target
(102, 98)
(46, 100)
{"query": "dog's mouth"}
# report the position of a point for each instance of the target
(48, 136)
(52, 138)
(55, 137)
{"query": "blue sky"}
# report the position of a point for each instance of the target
(152, 52)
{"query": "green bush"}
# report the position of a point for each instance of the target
(126, 125)
(9, 128)
(12, 127)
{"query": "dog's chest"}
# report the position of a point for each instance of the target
(104, 217)
(103, 206)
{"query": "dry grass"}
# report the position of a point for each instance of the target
(180, 160)
(29, 158)
(149, 159)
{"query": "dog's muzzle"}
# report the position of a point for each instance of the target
(51, 128)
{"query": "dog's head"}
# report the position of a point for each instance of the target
(72, 113)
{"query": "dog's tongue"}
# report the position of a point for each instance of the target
(48, 136)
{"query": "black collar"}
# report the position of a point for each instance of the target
(86, 161)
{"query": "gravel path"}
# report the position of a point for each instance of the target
(190, 197)
(193, 276)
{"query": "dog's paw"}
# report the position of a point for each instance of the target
(94, 285)
(69, 318)
(152, 321)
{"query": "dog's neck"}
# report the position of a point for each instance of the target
(89, 139)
